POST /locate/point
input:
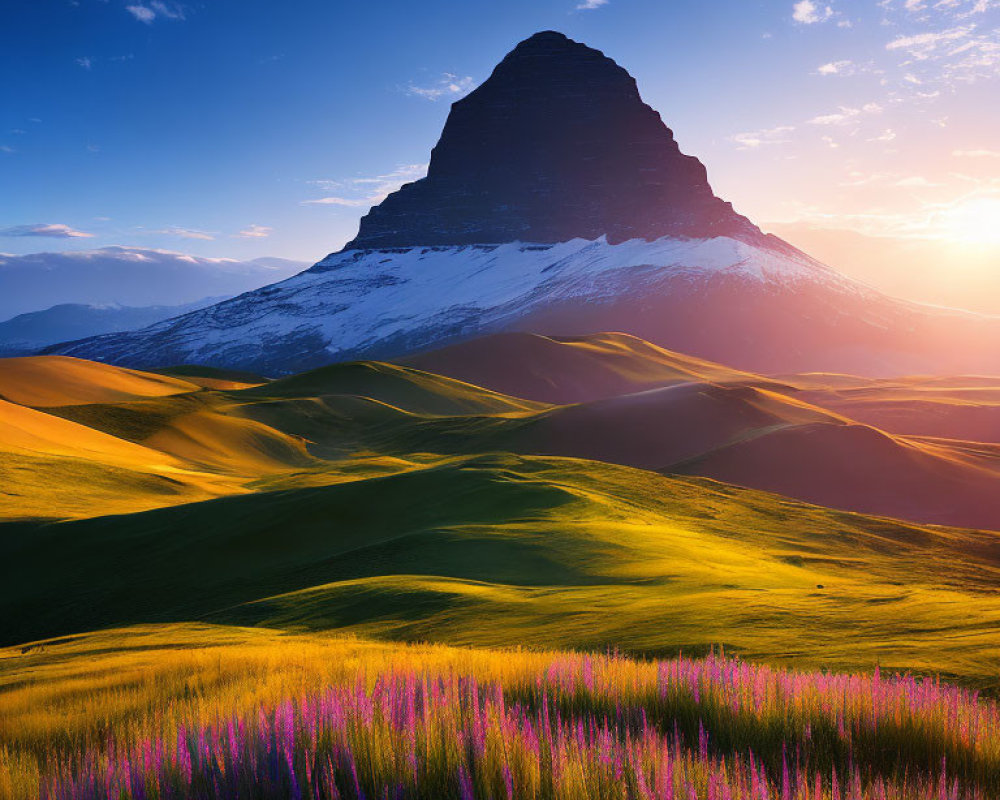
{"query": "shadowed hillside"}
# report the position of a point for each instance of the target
(671, 414)
(569, 370)
(965, 407)
(388, 500)
(795, 435)
(530, 551)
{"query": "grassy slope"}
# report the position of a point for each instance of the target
(361, 519)
(213, 377)
(570, 369)
(744, 434)
(55, 467)
(743, 429)
(49, 381)
(584, 369)
(546, 552)
(736, 427)
(411, 390)
(106, 440)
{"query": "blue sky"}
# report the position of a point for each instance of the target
(215, 126)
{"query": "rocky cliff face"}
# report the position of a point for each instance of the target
(557, 144)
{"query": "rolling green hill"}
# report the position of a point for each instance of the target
(400, 504)
(499, 549)
(738, 431)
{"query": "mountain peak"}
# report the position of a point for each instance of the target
(556, 144)
(551, 40)
(547, 36)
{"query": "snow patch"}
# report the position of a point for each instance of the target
(357, 301)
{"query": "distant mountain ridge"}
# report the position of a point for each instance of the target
(127, 276)
(31, 332)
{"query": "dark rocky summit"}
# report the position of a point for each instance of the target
(556, 144)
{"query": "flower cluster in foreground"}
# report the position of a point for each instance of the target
(577, 727)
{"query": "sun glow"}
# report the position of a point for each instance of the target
(975, 221)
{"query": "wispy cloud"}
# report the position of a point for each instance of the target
(348, 202)
(915, 181)
(156, 9)
(366, 191)
(887, 135)
(922, 46)
(836, 68)
(590, 5)
(846, 115)
(930, 219)
(849, 118)
(185, 233)
(845, 68)
(961, 9)
(169, 11)
(47, 230)
(448, 85)
(806, 12)
(858, 178)
(86, 62)
(955, 48)
(890, 179)
(751, 140)
(976, 153)
(142, 13)
(255, 231)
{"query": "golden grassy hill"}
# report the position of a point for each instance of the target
(52, 381)
(386, 500)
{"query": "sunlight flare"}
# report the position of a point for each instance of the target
(975, 221)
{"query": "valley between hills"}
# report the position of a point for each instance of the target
(580, 493)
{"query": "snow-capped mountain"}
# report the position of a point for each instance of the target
(763, 309)
(379, 303)
(558, 202)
